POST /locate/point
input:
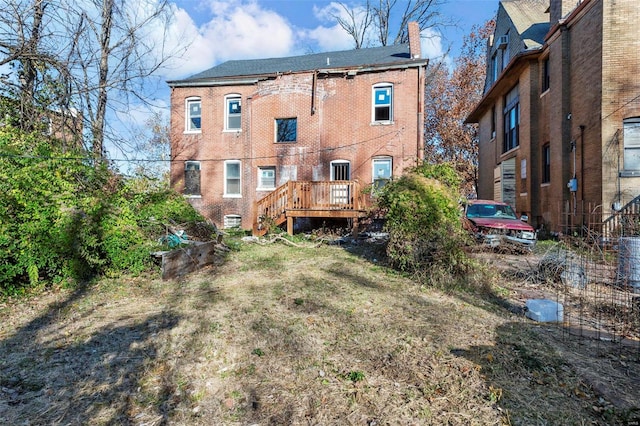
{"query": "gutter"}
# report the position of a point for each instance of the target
(249, 80)
(210, 82)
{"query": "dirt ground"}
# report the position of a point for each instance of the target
(308, 335)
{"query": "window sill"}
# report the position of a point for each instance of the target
(192, 132)
(629, 173)
(382, 123)
(232, 131)
(232, 196)
(545, 184)
(545, 92)
(511, 150)
(192, 195)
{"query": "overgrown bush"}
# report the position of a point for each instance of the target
(423, 221)
(62, 218)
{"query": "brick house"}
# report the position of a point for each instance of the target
(559, 122)
(278, 129)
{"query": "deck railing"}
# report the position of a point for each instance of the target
(310, 196)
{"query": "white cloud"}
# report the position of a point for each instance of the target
(237, 29)
(328, 39)
(431, 44)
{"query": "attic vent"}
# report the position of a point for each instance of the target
(503, 41)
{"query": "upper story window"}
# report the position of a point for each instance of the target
(267, 177)
(632, 144)
(511, 120)
(545, 75)
(192, 178)
(546, 163)
(495, 70)
(233, 112)
(232, 183)
(381, 172)
(382, 103)
(286, 130)
(194, 115)
(494, 119)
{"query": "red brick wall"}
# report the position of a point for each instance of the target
(340, 128)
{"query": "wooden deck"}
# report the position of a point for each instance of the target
(295, 199)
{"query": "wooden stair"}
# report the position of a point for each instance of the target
(329, 199)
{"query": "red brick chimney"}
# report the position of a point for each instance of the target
(414, 40)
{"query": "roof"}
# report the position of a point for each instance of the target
(351, 59)
(530, 18)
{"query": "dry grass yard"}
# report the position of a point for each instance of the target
(281, 335)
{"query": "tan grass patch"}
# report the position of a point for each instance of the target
(280, 335)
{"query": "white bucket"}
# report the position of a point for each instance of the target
(544, 310)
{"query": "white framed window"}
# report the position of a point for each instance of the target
(192, 178)
(340, 170)
(632, 144)
(193, 115)
(232, 221)
(511, 120)
(382, 103)
(232, 182)
(286, 130)
(381, 171)
(233, 113)
(267, 177)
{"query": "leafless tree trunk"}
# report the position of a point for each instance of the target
(381, 18)
(93, 55)
(356, 23)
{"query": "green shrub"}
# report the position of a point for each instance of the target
(64, 218)
(423, 221)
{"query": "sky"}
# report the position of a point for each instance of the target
(221, 30)
(205, 33)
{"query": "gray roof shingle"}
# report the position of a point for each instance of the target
(530, 19)
(356, 58)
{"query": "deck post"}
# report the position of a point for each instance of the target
(355, 228)
(290, 225)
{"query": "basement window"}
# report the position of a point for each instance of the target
(232, 221)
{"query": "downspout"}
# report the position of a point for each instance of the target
(313, 92)
(582, 127)
(420, 120)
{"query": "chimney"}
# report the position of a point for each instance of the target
(414, 40)
(558, 9)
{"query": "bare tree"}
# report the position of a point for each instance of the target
(112, 55)
(355, 21)
(155, 141)
(96, 55)
(450, 98)
(28, 87)
(385, 22)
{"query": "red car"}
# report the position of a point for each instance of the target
(493, 221)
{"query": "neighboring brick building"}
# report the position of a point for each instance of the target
(243, 128)
(560, 117)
